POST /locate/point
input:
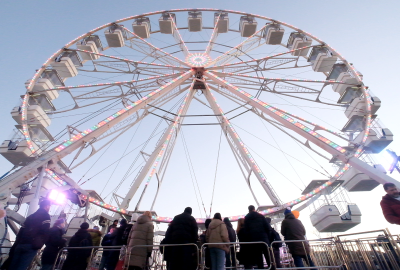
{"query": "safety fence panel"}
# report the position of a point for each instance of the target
(306, 254)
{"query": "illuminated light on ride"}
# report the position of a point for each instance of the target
(57, 197)
(198, 59)
(56, 177)
(282, 115)
(115, 115)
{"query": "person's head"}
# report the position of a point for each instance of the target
(227, 222)
(268, 219)
(188, 210)
(240, 224)
(391, 189)
(112, 230)
(251, 208)
(59, 223)
(45, 204)
(96, 228)
(207, 222)
(147, 213)
(287, 211)
(123, 222)
(84, 226)
(217, 216)
(115, 222)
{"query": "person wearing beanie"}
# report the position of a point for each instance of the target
(287, 211)
(77, 258)
(118, 240)
(258, 230)
(31, 237)
(293, 229)
(54, 243)
(217, 233)
(183, 230)
(230, 257)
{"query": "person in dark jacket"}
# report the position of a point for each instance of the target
(77, 258)
(34, 235)
(114, 225)
(244, 255)
(230, 258)
(274, 236)
(293, 229)
(258, 230)
(391, 204)
(183, 230)
(53, 244)
(106, 242)
(118, 240)
(203, 240)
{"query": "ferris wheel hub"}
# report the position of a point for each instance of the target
(198, 59)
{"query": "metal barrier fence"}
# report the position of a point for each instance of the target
(373, 250)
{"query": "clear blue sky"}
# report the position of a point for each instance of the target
(362, 31)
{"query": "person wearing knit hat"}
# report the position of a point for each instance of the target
(77, 258)
(287, 211)
(54, 243)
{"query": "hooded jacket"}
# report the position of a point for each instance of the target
(257, 227)
(231, 231)
(142, 233)
(77, 258)
(391, 209)
(293, 229)
(218, 233)
(96, 236)
(54, 243)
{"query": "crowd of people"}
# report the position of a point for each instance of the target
(179, 247)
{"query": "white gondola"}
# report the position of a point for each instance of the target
(349, 94)
(247, 26)
(328, 218)
(322, 59)
(166, 23)
(340, 72)
(35, 116)
(223, 22)
(49, 80)
(141, 27)
(17, 151)
(115, 36)
(298, 40)
(273, 34)
(379, 138)
(92, 44)
(356, 112)
(354, 180)
(195, 21)
(66, 64)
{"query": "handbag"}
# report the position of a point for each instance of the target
(120, 265)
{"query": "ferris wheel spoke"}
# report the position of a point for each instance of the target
(262, 62)
(177, 36)
(154, 159)
(213, 37)
(251, 43)
(240, 148)
(19, 177)
(153, 51)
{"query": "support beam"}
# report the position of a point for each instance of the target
(157, 154)
(239, 145)
(305, 132)
(25, 173)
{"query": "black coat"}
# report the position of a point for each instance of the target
(77, 258)
(118, 236)
(231, 232)
(36, 229)
(106, 242)
(293, 229)
(245, 250)
(54, 243)
(183, 230)
(257, 227)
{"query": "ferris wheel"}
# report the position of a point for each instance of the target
(90, 93)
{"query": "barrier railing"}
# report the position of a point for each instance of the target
(317, 254)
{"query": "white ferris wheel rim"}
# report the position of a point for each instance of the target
(201, 59)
